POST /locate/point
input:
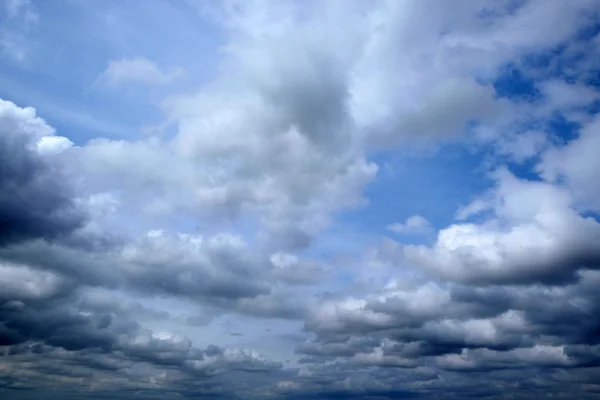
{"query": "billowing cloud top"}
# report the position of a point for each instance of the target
(300, 200)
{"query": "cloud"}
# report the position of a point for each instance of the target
(523, 146)
(576, 164)
(293, 171)
(217, 271)
(415, 224)
(234, 252)
(16, 8)
(70, 333)
(534, 236)
(20, 18)
(460, 328)
(138, 70)
(565, 96)
(35, 201)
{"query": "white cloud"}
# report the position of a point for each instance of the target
(533, 235)
(53, 144)
(14, 118)
(415, 224)
(564, 96)
(138, 70)
(578, 164)
(522, 146)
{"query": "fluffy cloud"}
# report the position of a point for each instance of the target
(460, 329)
(535, 236)
(123, 259)
(35, 200)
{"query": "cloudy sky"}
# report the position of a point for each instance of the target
(282, 199)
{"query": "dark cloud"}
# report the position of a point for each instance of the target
(35, 200)
(86, 342)
(219, 272)
(479, 331)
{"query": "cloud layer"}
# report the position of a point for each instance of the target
(248, 244)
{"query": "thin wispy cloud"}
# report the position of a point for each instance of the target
(19, 18)
(139, 71)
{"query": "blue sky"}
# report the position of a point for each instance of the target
(350, 200)
(66, 64)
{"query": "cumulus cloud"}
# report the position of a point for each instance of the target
(122, 260)
(535, 236)
(35, 202)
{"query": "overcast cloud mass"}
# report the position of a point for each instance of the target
(277, 199)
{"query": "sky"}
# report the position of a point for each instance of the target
(282, 199)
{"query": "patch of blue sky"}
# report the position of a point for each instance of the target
(74, 114)
(519, 81)
(74, 41)
(562, 129)
(515, 85)
(433, 187)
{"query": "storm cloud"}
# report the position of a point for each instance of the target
(35, 201)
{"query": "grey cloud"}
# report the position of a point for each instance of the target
(479, 330)
(220, 271)
(96, 343)
(35, 201)
(271, 139)
(506, 301)
(339, 347)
